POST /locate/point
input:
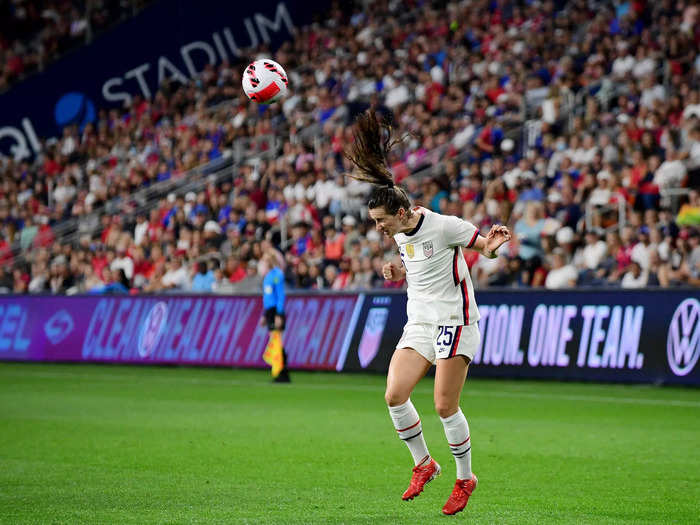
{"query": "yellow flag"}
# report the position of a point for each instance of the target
(273, 353)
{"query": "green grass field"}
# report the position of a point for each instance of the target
(106, 444)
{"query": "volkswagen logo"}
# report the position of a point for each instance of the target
(683, 345)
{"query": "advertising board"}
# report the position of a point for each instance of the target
(603, 335)
(186, 330)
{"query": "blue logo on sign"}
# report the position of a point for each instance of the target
(58, 327)
(74, 108)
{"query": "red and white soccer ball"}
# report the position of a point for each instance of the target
(265, 81)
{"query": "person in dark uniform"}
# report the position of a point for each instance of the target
(273, 305)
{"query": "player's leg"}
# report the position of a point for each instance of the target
(411, 360)
(452, 367)
(407, 367)
(450, 375)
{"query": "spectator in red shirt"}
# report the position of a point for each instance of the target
(155, 226)
(485, 140)
(334, 245)
(51, 166)
(234, 271)
(493, 90)
(143, 267)
(99, 259)
(344, 277)
(14, 64)
(44, 237)
(624, 254)
(5, 252)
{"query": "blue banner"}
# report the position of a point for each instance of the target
(168, 40)
(605, 335)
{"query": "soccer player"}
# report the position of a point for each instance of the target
(442, 324)
(273, 305)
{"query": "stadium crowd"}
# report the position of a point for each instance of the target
(567, 124)
(34, 33)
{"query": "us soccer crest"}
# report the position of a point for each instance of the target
(409, 251)
(428, 249)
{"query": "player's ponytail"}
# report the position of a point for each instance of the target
(369, 153)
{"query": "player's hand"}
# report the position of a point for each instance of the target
(498, 234)
(262, 320)
(391, 272)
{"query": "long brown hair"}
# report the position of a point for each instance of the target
(369, 152)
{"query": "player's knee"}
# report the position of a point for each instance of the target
(394, 398)
(445, 407)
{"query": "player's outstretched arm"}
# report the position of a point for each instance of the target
(488, 245)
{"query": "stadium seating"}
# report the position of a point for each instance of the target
(578, 126)
(33, 34)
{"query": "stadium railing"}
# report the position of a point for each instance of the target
(593, 210)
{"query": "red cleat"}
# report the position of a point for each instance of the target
(460, 495)
(421, 476)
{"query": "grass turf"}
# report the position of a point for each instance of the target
(108, 444)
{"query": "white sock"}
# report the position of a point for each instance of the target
(408, 425)
(457, 434)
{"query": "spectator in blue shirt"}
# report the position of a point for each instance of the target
(163, 172)
(115, 283)
(203, 282)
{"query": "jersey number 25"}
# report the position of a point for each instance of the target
(445, 336)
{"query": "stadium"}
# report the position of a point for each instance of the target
(234, 238)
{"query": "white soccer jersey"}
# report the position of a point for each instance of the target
(440, 290)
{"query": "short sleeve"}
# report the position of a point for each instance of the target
(458, 232)
(279, 282)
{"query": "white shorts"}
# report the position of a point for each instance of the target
(440, 342)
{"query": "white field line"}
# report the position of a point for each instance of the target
(420, 389)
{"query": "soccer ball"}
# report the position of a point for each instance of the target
(265, 81)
